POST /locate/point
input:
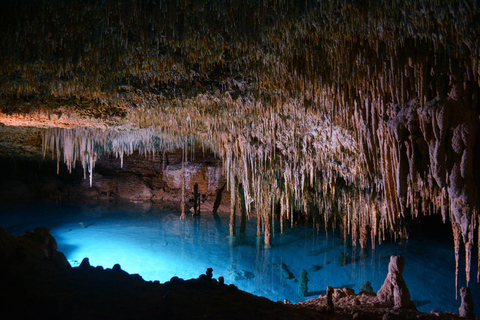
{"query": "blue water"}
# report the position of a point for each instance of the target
(157, 245)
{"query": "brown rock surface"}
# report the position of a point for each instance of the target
(394, 290)
(466, 308)
(143, 178)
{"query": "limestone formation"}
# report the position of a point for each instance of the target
(347, 114)
(330, 305)
(394, 290)
(466, 308)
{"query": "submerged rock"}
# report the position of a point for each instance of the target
(366, 287)
(243, 275)
(286, 271)
(303, 283)
(315, 267)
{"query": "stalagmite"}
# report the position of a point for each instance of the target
(466, 307)
(394, 290)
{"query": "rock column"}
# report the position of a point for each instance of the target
(394, 290)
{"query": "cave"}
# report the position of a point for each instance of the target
(269, 140)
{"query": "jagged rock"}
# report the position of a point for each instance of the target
(394, 290)
(101, 186)
(34, 276)
(342, 292)
(466, 308)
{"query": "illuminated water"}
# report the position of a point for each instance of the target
(158, 246)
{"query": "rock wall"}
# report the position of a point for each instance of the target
(147, 179)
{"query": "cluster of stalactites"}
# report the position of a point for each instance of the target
(336, 99)
(91, 51)
(295, 155)
(427, 155)
(393, 164)
(86, 145)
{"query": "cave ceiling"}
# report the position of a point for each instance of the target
(356, 112)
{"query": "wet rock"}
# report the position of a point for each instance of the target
(394, 290)
(32, 247)
(342, 292)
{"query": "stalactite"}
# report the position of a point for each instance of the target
(456, 241)
(233, 203)
(377, 119)
(182, 205)
(243, 211)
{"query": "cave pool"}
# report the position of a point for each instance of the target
(156, 244)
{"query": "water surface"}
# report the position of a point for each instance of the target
(158, 245)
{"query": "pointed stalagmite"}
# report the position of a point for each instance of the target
(466, 307)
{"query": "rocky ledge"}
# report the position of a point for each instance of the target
(38, 282)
